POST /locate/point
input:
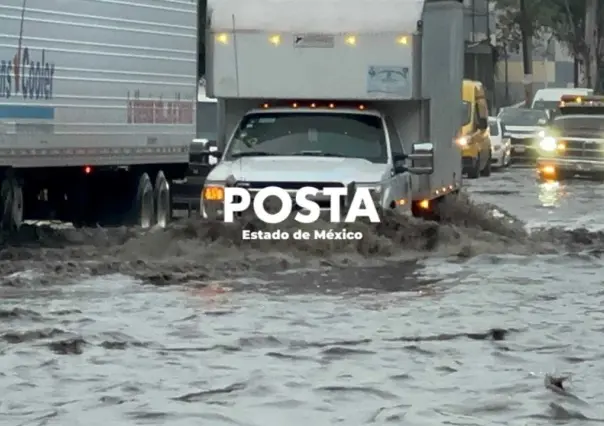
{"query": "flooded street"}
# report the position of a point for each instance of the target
(466, 323)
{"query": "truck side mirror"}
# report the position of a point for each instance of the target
(204, 151)
(213, 155)
(422, 159)
(398, 161)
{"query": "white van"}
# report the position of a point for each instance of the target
(548, 99)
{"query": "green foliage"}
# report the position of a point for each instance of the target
(537, 20)
(565, 19)
(568, 24)
(562, 19)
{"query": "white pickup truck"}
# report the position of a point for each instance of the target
(573, 144)
(354, 94)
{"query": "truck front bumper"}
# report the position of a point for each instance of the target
(523, 153)
(553, 168)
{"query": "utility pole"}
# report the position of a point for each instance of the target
(527, 52)
(507, 73)
(590, 63)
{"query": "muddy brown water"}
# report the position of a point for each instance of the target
(461, 323)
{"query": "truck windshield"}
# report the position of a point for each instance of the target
(523, 117)
(322, 134)
(566, 125)
(467, 108)
(545, 105)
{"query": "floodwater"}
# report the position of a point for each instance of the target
(495, 317)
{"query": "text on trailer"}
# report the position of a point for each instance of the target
(158, 111)
(27, 74)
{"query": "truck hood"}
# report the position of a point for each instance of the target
(300, 169)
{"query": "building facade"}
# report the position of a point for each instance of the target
(553, 66)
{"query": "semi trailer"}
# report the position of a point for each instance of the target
(97, 109)
(185, 192)
(363, 93)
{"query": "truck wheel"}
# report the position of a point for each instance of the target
(474, 172)
(486, 172)
(11, 196)
(163, 200)
(143, 208)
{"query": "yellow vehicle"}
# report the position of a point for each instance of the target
(474, 139)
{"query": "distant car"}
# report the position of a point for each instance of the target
(501, 147)
(549, 98)
(524, 127)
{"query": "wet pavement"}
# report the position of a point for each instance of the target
(466, 323)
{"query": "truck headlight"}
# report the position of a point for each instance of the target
(548, 144)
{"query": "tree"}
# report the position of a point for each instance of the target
(566, 20)
(519, 23)
(583, 37)
(568, 24)
(537, 18)
(594, 32)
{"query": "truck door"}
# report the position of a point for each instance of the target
(400, 184)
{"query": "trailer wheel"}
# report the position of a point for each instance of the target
(163, 201)
(11, 196)
(143, 209)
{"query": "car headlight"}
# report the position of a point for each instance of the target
(548, 144)
(462, 141)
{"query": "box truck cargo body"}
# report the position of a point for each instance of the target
(336, 93)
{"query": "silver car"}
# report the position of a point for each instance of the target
(501, 147)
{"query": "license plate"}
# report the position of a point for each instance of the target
(584, 167)
(519, 148)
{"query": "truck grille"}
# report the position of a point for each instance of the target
(256, 186)
(584, 149)
(523, 141)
